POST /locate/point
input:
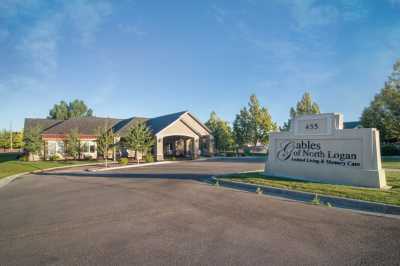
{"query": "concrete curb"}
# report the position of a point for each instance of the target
(338, 202)
(6, 180)
(130, 166)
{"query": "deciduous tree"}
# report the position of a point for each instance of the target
(222, 132)
(139, 139)
(383, 112)
(261, 123)
(105, 140)
(76, 108)
(242, 128)
(73, 144)
(305, 106)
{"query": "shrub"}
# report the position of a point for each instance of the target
(55, 157)
(173, 158)
(247, 152)
(24, 158)
(149, 158)
(390, 150)
(89, 157)
(123, 161)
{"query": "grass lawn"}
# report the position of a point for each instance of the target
(391, 196)
(391, 163)
(9, 165)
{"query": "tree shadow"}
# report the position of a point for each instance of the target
(8, 156)
(172, 176)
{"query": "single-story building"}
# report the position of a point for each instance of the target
(352, 124)
(179, 135)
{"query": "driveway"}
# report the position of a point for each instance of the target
(166, 215)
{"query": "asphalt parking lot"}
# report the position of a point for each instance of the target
(167, 215)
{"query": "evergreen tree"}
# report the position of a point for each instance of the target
(33, 140)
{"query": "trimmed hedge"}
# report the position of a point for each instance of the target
(390, 150)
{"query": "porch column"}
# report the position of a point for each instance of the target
(196, 148)
(210, 145)
(159, 148)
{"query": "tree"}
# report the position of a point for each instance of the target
(4, 139)
(76, 108)
(73, 144)
(383, 112)
(242, 128)
(261, 123)
(33, 140)
(222, 132)
(305, 106)
(17, 140)
(139, 139)
(105, 140)
(59, 111)
(253, 124)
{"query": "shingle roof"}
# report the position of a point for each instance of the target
(84, 125)
(42, 123)
(123, 126)
(89, 125)
(158, 123)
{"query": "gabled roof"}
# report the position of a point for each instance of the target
(122, 127)
(84, 125)
(89, 125)
(159, 123)
(42, 123)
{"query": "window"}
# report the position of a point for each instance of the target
(55, 146)
(88, 146)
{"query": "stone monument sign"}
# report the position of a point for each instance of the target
(317, 148)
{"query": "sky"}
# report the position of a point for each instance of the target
(148, 58)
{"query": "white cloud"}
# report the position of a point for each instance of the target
(40, 40)
(307, 13)
(18, 84)
(40, 45)
(87, 17)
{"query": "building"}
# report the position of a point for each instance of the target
(352, 124)
(176, 135)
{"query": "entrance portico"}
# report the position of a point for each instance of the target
(183, 138)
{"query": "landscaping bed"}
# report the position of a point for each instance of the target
(391, 196)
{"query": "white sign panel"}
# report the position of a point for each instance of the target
(328, 154)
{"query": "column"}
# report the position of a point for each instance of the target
(210, 144)
(195, 148)
(159, 148)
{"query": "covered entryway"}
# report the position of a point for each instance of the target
(178, 147)
(181, 137)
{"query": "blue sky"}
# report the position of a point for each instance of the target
(147, 58)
